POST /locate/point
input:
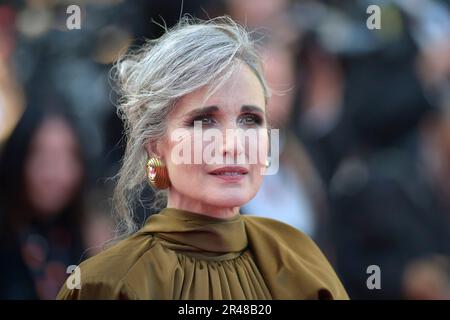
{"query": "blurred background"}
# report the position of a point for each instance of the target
(364, 118)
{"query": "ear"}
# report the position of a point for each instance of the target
(153, 149)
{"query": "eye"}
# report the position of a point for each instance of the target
(250, 119)
(206, 120)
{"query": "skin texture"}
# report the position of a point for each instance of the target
(193, 188)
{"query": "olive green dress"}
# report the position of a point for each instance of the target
(185, 255)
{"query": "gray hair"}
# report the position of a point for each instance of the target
(192, 54)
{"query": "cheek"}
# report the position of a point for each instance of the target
(179, 158)
(257, 149)
(257, 169)
(182, 175)
(178, 148)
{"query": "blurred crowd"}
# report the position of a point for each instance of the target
(364, 119)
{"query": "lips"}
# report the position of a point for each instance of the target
(230, 174)
(229, 171)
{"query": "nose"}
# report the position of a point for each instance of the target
(233, 143)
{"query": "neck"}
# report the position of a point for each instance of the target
(201, 207)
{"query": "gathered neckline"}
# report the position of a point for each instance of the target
(195, 232)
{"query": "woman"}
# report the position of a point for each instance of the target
(198, 79)
(41, 178)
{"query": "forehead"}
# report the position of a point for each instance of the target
(241, 88)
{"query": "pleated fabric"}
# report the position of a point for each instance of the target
(213, 260)
(237, 278)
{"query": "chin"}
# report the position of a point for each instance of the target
(228, 198)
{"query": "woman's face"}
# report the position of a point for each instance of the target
(230, 177)
(53, 170)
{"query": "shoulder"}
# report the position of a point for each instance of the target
(294, 252)
(282, 231)
(106, 275)
(282, 236)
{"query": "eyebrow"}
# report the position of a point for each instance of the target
(213, 109)
(250, 108)
(201, 111)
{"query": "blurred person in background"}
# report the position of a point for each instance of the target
(316, 120)
(41, 208)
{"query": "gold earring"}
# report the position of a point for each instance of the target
(157, 173)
